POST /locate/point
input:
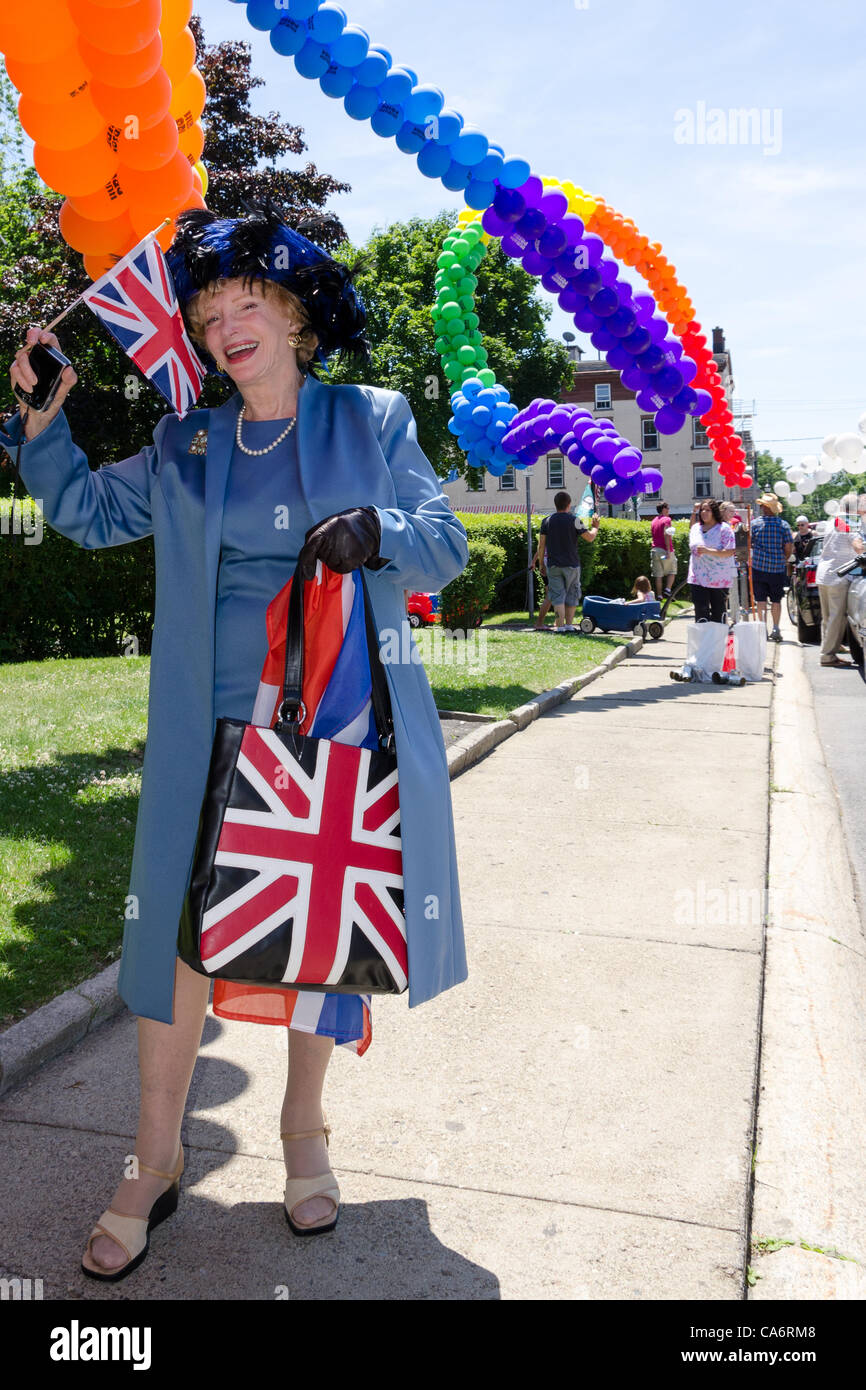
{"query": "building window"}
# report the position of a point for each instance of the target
(649, 433)
(475, 479)
(700, 438)
(506, 482)
(602, 396)
(703, 480)
(555, 475)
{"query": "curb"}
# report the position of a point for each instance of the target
(55, 1027)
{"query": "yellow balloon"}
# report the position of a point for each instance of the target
(203, 175)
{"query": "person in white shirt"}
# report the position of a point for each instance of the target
(841, 544)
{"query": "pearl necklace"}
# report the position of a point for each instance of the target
(289, 427)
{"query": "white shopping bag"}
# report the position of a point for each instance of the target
(705, 648)
(750, 649)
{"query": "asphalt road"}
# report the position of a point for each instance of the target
(840, 711)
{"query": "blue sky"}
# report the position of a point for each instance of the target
(766, 236)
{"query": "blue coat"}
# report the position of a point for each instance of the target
(357, 446)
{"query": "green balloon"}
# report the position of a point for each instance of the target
(467, 302)
(472, 320)
(466, 355)
(446, 259)
(487, 377)
(451, 310)
(459, 341)
(455, 326)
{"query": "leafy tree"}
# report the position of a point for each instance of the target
(396, 283)
(111, 411)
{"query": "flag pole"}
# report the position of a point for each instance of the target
(70, 307)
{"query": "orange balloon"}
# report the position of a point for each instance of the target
(188, 99)
(134, 108)
(159, 193)
(191, 142)
(175, 17)
(61, 125)
(97, 266)
(109, 201)
(125, 29)
(92, 238)
(149, 149)
(122, 69)
(52, 80)
(78, 172)
(23, 36)
(178, 56)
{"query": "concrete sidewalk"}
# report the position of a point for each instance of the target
(576, 1121)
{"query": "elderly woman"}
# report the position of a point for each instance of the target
(343, 465)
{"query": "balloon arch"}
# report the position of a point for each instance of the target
(112, 99)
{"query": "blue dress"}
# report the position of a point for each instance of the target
(265, 520)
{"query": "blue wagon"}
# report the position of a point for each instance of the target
(610, 616)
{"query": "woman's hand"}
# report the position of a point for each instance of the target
(21, 374)
(343, 542)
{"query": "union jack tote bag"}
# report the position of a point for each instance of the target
(297, 876)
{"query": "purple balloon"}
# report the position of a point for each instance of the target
(617, 491)
(594, 247)
(553, 204)
(531, 224)
(645, 307)
(604, 303)
(685, 400)
(637, 341)
(668, 381)
(653, 477)
(669, 420)
(514, 244)
(650, 361)
(648, 399)
(581, 428)
(602, 340)
(534, 263)
(571, 301)
(573, 228)
(494, 224)
(565, 265)
(632, 377)
(658, 330)
(553, 282)
(509, 204)
(601, 474)
(588, 281)
(552, 242)
(608, 270)
(532, 191)
(689, 368)
(627, 462)
(606, 450)
(621, 323)
(586, 321)
(705, 400)
(618, 357)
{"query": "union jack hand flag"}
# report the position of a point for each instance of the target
(137, 303)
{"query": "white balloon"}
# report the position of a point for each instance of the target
(849, 447)
(794, 499)
(831, 464)
(807, 486)
(781, 489)
(829, 446)
(832, 507)
(809, 462)
(822, 475)
(861, 423)
(794, 475)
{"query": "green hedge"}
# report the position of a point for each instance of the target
(609, 565)
(468, 597)
(58, 599)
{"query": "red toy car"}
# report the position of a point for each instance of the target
(421, 610)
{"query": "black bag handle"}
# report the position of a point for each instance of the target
(292, 705)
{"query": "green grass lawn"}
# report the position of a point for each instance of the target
(71, 747)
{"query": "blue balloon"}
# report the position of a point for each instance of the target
(387, 119)
(490, 167)
(374, 69)
(337, 81)
(481, 416)
(456, 177)
(288, 36)
(360, 102)
(301, 9)
(328, 23)
(453, 426)
(471, 387)
(397, 87)
(480, 194)
(470, 147)
(352, 47)
(434, 160)
(515, 171)
(313, 60)
(410, 137)
(423, 102)
(262, 14)
(448, 126)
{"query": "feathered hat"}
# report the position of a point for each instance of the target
(263, 246)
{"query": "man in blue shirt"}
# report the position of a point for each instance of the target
(772, 543)
(559, 533)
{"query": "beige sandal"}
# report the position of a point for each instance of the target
(132, 1233)
(299, 1190)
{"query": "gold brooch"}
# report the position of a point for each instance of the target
(198, 443)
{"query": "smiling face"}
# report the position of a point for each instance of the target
(247, 330)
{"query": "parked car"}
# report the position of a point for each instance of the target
(423, 609)
(804, 604)
(856, 570)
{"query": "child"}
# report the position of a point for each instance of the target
(642, 590)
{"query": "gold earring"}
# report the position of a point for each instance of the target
(220, 366)
(294, 340)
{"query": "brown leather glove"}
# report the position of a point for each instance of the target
(345, 541)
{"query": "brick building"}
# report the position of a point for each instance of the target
(685, 459)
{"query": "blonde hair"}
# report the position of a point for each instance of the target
(295, 308)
